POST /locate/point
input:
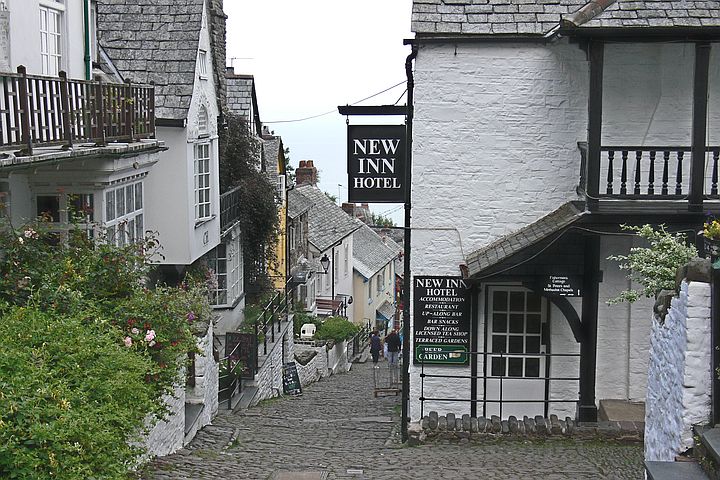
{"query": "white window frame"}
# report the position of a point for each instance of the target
(346, 259)
(62, 223)
(51, 14)
(203, 121)
(280, 187)
(124, 224)
(202, 177)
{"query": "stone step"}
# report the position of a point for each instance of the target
(674, 471)
(710, 438)
(192, 413)
(246, 397)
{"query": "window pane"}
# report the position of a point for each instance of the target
(138, 196)
(533, 323)
(534, 302)
(498, 367)
(516, 323)
(498, 344)
(129, 199)
(48, 206)
(517, 301)
(499, 322)
(81, 206)
(515, 367)
(532, 367)
(515, 344)
(532, 344)
(120, 201)
(109, 206)
(500, 301)
(139, 228)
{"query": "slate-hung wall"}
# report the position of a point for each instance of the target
(495, 137)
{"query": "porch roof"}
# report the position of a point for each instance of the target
(504, 247)
(386, 310)
(541, 17)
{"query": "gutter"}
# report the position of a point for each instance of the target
(88, 64)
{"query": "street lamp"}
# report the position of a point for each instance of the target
(325, 263)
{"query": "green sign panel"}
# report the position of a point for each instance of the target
(441, 354)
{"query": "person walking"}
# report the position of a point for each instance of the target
(393, 345)
(375, 347)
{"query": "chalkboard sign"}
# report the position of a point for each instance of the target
(561, 286)
(291, 379)
(441, 320)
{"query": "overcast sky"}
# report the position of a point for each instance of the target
(308, 58)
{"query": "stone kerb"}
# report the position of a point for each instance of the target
(435, 427)
(679, 373)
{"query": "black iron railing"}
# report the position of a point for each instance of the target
(272, 316)
(484, 400)
(39, 111)
(358, 342)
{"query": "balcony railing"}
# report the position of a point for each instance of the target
(45, 111)
(651, 173)
(229, 209)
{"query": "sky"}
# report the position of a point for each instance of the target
(309, 57)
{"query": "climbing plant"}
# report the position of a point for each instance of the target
(240, 166)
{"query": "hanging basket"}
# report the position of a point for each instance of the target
(712, 247)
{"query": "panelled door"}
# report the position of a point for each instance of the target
(515, 368)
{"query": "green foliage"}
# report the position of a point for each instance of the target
(301, 318)
(240, 164)
(332, 197)
(654, 266)
(336, 329)
(379, 220)
(89, 351)
(71, 397)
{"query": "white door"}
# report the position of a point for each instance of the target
(515, 368)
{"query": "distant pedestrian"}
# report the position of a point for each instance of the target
(394, 345)
(375, 347)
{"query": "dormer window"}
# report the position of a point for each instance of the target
(203, 121)
(202, 64)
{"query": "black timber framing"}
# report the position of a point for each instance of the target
(587, 410)
(474, 337)
(596, 53)
(715, 339)
(699, 126)
(373, 110)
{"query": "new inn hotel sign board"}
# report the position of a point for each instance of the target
(376, 163)
(441, 320)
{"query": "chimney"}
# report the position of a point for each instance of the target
(306, 173)
(230, 71)
(349, 208)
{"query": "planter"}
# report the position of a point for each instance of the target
(712, 247)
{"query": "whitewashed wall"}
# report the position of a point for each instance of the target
(679, 375)
(167, 435)
(170, 190)
(24, 44)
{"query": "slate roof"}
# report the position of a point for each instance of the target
(297, 204)
(503, 248)
(240, 94)
(154, 41)
(386, 310)
(540, 17)
(328, 224)
(370, 252)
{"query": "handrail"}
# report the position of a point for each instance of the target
(39, 110)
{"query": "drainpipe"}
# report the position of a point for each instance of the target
(406, 287)
(88, 65)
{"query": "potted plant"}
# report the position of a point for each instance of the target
(711, 234)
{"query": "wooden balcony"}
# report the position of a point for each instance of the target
(45, 111)
(645, 177)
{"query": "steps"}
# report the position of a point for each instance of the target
(674, 471)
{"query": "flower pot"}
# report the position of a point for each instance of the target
(712, 247)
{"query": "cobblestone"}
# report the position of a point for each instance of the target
(338, 427)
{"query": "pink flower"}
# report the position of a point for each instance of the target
(134, 331)
(128, 341)
(30, 233)
(149, 335)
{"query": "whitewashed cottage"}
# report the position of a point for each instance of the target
(539, 128)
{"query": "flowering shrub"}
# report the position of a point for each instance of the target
(654, 266)
(711, 230)
(88, 351)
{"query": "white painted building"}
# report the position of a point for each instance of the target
(525, 118)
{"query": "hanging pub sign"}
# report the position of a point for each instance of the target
(376, 163)
(561, 286)
(441, 320)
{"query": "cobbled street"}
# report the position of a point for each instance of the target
(338, 429)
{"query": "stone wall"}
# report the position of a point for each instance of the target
(679, 375)
(311, 363)
(205, 391)
(167, 435)
(268, 380)
(338, 360)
